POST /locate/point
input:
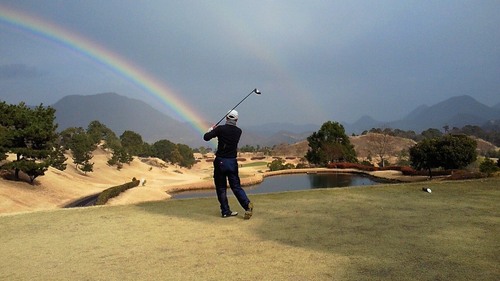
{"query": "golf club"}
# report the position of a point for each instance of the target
(253, 91)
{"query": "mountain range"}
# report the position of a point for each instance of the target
(121, 113)
(453, 112)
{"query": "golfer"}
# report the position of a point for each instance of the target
(226, 165)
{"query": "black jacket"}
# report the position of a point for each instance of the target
(228, 137)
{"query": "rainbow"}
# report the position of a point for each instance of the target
(105, 57)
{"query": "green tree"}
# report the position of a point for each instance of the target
(187, 157)
(146, 150)
(66, 136)
(120, 156)
(488, 166)
(456, 151)
(58, 159)
(248, 148)
(175, 156)
(431, 133)
(424, 155)
(472, 130)
(279, 164)
(164, 149)
(405, 134)
(3, 143)
(448, 152)
(276, 165)
(29, 134)
(168, 151)
(330, 144)
(132, 142)
(99, 132)
(82, 147)
(202, 150)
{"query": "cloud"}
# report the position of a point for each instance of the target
(323, 60)
(18, 71)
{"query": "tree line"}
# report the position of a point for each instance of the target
(489, 133)
(434, 150)
(30, 134)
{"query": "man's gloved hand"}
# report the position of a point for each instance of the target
(211, 128)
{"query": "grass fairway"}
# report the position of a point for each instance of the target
(255, 164)
(385, 232)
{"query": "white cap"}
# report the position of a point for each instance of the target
(233, 115)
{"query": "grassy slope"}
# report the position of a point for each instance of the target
(393, 232)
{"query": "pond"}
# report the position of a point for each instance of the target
(293, 182)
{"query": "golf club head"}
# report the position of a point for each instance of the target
(256, 91)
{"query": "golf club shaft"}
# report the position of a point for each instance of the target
(254, 90)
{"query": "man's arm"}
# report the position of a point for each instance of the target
(210, 134)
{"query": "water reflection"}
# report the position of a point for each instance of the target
(293, 182)
(338, 180)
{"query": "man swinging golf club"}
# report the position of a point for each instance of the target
(226, 165)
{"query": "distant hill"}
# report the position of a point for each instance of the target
(120, 113)
(417, 112)
(285, 137)
(453, 112)
(272, 128)
(270, 134)
(364, 123)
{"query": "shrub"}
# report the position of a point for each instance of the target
(115, 191)
(258, 158)
(488, 167)
(408, 171)
(348, 165)
(302, 166)
(465, 175)
(279, 164)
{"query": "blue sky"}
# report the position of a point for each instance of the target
(314, 61)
